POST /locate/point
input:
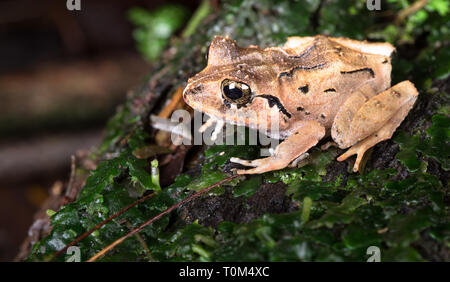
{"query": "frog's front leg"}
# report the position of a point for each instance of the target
(374, 121)
(305, 136)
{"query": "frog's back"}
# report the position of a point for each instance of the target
(324, 71)
(347, 56)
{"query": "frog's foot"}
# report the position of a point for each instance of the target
(359, 150)
(361, 147)
(306, 135)
(406, 93)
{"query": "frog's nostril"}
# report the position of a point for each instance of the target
(193, 91)
(197, 89)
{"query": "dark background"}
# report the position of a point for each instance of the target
(62, 74)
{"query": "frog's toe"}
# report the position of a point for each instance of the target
(257, 170)
(263, 165)
(244, 162)
(248, 171)
(355, 150)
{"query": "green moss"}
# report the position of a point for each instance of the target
(436, 143)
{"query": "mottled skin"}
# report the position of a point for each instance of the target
(314, 86)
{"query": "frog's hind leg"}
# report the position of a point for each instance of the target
(375, 121)
(306, 135)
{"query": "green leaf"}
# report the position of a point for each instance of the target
(138, 172)
(407, 154)
(401, 254)
(339, 213)
(153, 29)
(403, 230)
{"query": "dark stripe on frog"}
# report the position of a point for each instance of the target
(372, 74)
(330, 90)
(304, 53)
(291, 72)
(275, 101)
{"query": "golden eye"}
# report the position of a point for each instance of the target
(236, 92)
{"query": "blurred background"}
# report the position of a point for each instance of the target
(62, 75)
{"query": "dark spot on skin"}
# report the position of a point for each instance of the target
(330, 90)
(291, 72)
(322, 116)
(274, 101)
(300, 109)
(339, 51)
(304, 89)
(307, 113)
(226, 104)
(385, 61)
(371, 72)
(396, 94)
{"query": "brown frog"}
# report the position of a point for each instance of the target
(314, 86)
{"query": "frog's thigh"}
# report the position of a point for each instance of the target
(342, 121)
(377, 119)
(306, 135)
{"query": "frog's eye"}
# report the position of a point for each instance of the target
(236, 92)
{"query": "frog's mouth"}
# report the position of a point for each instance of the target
(199, 98)
(219, 124)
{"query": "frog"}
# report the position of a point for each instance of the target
(316, 87)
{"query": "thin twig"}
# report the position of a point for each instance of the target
(84, 235)
(141, 240)
(150, 221)
(202, 12)
(69, 194)
(416, 6)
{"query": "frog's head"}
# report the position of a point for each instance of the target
(239, 85)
